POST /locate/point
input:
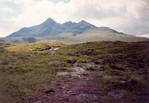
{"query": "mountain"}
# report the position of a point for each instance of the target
(51, 27)
(47, 27)
(68, 31)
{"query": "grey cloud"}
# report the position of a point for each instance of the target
(59, 0)
(130, 16)
(100, 12)
(134, 20)
(55, 1)
(141, 24)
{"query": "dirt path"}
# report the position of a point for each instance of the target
(77, 86)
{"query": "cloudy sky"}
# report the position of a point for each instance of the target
(129, 16)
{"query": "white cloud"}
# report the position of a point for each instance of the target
(130, 16)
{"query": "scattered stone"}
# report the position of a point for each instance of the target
(63, 73)
(76, 72)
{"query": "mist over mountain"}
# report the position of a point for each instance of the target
(68, 31)
(144, 35)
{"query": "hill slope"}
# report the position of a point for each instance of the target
(93, 72)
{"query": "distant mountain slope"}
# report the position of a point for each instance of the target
(1, 40)
(98, 34)
(50, 27)
(68, 31)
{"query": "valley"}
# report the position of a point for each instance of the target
(74, 51)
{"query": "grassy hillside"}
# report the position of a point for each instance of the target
(26, 68)
(92, 36)
(35, 47)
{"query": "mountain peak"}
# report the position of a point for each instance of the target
(49, 20)
(50, 28)
(86, 25)
(83, 21)
(67, 23)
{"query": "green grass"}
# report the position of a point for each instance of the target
(34, 47)
(26, 68)
(118, 62)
